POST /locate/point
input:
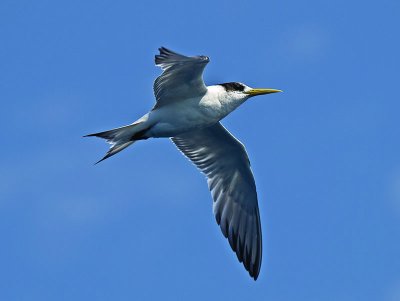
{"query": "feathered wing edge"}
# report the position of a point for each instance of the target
(223, 159)
(168, 56)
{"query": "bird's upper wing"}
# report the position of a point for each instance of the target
(223, 159)
(182, 77)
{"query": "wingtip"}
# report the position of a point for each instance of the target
(254, 271)
(254, 276)
(163, 50)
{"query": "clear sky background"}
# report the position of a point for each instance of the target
(139, 226)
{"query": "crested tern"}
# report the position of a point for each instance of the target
(189, 113)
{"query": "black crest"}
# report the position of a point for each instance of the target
(233, 86)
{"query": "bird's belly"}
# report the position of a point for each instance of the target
(174, 121)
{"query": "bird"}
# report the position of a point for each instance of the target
(189, 113)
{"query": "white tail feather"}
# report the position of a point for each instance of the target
(120, 138)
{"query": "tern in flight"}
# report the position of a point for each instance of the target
(189, 113)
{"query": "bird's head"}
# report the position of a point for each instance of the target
(239, 90)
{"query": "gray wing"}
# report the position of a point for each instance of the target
(223, 159)
(182, 77)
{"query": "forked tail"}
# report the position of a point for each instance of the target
(121, 138)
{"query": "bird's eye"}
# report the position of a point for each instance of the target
(239, 87)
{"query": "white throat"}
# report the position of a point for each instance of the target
(226, 101)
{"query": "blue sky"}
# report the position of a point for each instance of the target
(139, 226)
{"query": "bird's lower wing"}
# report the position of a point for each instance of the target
(182, 77)
(223, 159)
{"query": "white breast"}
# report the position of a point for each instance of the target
(194, 113)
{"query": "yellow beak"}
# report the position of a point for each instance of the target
(261, 91)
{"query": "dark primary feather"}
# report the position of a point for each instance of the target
(223, 159)
(182, 76)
